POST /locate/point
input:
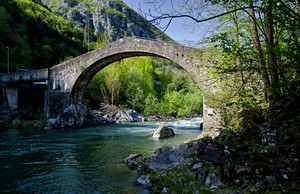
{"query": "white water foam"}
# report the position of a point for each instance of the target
(193, 123)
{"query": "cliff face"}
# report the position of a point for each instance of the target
(110, 17)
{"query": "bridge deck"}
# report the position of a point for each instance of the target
(25, 76)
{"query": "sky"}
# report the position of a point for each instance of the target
(176, 30)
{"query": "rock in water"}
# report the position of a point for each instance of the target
(163, 132)
(73, 116)
(123, 116)
(128, 116)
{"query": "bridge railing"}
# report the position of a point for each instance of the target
(187, 43)
(153, 39)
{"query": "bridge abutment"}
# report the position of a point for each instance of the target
(211, 120)
(3, 98)
(56, 101)
(16, 97)
(12, 93)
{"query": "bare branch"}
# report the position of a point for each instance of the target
(168, 16)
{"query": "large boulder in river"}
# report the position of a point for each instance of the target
(128, 116)
(73, 116)
(163, 132)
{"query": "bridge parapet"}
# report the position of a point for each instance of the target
(25, 76)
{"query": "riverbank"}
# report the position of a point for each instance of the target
(109, 115)
(261, 160)
(22, 120)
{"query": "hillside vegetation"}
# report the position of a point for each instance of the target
(36, 37)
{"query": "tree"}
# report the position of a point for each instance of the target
(137, 88)
(47, 52)
(26, 56)
(261, 54)
(113, 83)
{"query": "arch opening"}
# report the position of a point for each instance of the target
(76, 94)
(183, 91)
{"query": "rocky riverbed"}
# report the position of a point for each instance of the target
(261, 160)
(77, 115)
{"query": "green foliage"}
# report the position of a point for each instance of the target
(112, 84)
(37, 37)
(28, 125)
(102, 40)
(176, 180)
(151, 105)
(114, 13)
(47, 53)
(139, 85)
(255, 70)
(180, 104)
(172, 102)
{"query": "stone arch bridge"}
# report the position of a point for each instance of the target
(68, 80)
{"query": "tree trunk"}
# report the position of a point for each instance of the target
(295, 35)
(259, 51)
(112, 96)
(237, 41)
(272, 62)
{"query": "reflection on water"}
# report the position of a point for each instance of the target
(82, 160)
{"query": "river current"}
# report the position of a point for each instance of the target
(84, 160)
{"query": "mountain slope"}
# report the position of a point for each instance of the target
(111, 17)
(36, 36)
(42, 33)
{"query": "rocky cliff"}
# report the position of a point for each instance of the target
(111, 17)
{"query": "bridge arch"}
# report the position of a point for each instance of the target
(73, 76)
(76, 94)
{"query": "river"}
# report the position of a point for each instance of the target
(84, 160)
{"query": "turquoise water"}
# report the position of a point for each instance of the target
(82, 160)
